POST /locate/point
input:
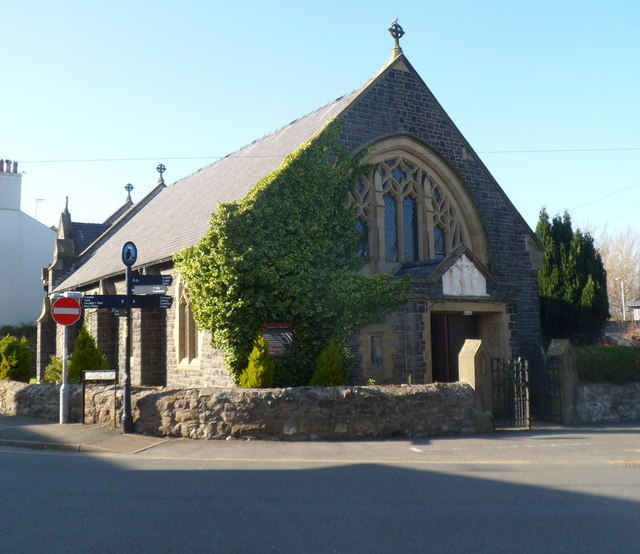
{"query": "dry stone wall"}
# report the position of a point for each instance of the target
(305, 413)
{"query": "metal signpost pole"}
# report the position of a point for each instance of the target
(129, 257)
(64, 390)
(126, 400)
(65, 311)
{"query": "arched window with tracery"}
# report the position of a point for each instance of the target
(407, 212)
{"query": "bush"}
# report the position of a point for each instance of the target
(330, 368)
(617, 364)
(259, 373)
(15, 359)
(53, 372)
(85, 356)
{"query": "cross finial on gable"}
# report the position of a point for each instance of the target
(396, 32)
(128, 187)
(161, 169)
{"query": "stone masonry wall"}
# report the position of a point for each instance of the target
(607, 403)
(305, 413)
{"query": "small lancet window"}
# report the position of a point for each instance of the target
(376, 352)
(439, 242)
(410, 229)
(391, 228)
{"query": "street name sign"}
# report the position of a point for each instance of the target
(66, 311)
(99, 374)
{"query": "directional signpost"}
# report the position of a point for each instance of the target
(143, 291)
(65, 311)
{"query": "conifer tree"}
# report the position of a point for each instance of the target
(260, 371)
(573, 282)
(85, 356)
(330, 368)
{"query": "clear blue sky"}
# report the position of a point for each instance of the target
(547, 92)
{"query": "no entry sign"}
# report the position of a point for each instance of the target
(66, 311)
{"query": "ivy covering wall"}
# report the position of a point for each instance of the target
(288, 253)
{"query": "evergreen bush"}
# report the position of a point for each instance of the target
(53, 371)
(260, 371)
(330, 367)
(85, 356)
(616, 364)
(15, 359)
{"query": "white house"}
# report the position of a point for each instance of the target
(25, 247)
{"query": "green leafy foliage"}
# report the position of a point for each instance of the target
(259, 373)
(15, 359)
(85, 356)
(287, 252)
(617, 364)
(330, 370)
(573, 283)
(53, 371)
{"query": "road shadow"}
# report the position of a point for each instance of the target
(61, 502)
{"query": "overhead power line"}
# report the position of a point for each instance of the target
(538, 151)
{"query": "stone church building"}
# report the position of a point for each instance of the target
(429, 208)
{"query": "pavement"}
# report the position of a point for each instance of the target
(45, 434)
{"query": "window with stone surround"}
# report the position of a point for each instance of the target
(405, 213)
(186, 334)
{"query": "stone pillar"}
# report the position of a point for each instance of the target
(473, 368)
(562, 349)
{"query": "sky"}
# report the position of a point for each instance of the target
(94, 95)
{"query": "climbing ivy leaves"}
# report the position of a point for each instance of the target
(287, 252)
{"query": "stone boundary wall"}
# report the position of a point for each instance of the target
(607, 403)
(305, 413)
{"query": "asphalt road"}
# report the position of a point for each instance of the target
(536, 491)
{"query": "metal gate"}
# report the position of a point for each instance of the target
(510, 383)
(546, 391)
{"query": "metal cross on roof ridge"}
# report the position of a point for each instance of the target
(397, 33)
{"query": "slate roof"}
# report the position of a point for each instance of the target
(86, 233)
(180, 215)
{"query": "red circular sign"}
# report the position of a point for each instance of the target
(66, 311)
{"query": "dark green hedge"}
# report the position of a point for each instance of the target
(617, 364)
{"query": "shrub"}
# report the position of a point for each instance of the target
(53, 372)
(15, 359)
(330, 367)
(259, 373)
(85, 356)
(617, 364)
